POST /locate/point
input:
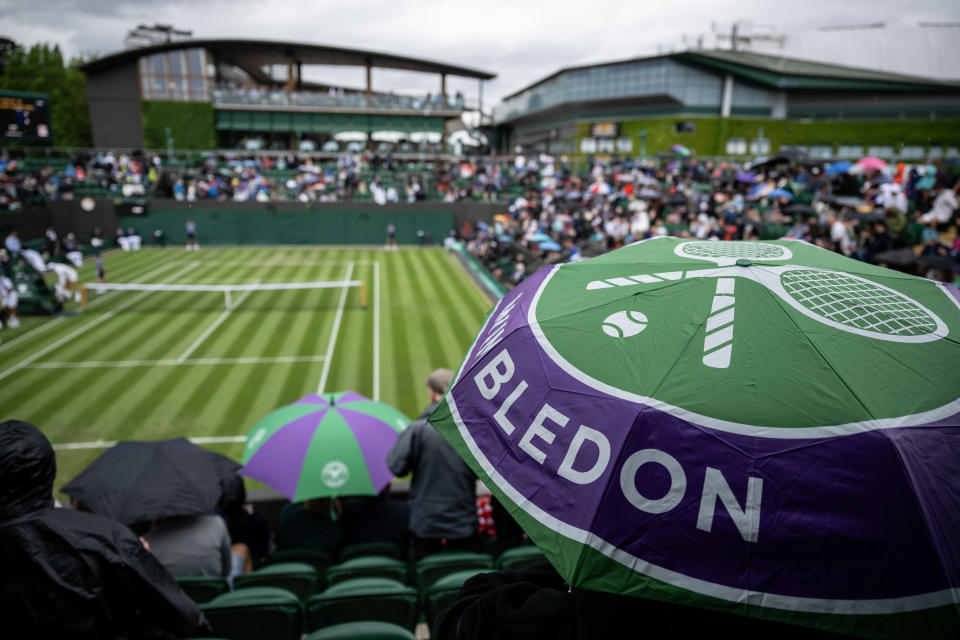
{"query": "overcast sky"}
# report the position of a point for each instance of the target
(519, 41)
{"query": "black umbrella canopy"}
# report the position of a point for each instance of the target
(942, 263)
(137, 481)
(896, 257)
(800, 209)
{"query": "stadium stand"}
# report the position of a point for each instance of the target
(433, 567)
(441, 593)
(367, 567)
(361, 599)
(256, 613)
(366, 630)
(519, 558)
(298, 578)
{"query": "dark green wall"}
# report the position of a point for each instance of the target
(711, 134)
(191, 124)
(224, 224)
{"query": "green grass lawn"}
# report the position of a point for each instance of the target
(157, 365)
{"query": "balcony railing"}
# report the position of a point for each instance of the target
(225, 96)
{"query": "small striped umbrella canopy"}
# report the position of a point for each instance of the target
(324, 445)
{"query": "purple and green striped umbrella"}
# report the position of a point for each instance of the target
(333, 444)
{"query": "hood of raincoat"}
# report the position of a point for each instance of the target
(27, 470)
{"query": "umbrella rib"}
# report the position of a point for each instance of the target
(132, 483)
(908, 477)
(823, 357)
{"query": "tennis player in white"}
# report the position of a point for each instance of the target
(66, 281)
(8, 302)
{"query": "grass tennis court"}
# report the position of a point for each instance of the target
(151, 365)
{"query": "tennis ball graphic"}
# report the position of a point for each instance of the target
(624, 324)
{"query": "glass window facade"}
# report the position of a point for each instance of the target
(175, 75)
(760, 146)
(821, 150)
(912, 151)
(659, 77)
(880, 151)
(850, 151)
(736, 146)
(749, 97)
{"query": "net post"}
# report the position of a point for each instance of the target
(83, 296)
(363, 294)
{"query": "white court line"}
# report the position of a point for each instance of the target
(105, 364)
(282, 263)
(216, 323)
(90, 325)
(333, 334)
(376, 331)
(55, 321)
(106, 444)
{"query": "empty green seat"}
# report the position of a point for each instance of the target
(520, 558)
(256, 613)
(371, 549)
(359, 599)
(297, 577)
(435, 566)
(319, 560)
(442, 592)
(203, 588)
(368, 567)
(366, 630)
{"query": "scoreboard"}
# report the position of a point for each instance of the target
(25, 116)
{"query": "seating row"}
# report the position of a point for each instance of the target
(305, 571)
(286, 597)
(364, 630)
(253, 613)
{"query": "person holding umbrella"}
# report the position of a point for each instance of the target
(73, 574)
(443, 512)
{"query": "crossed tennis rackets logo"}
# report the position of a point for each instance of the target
(840, 300)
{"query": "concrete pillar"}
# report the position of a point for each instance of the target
(291, 81)
(727, 98)
(369, 81)
(299, 75)
(443, 86)
(480, 99)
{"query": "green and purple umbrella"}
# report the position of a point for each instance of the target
(768, 429)
(324, 445)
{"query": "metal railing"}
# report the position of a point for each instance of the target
(228, 96)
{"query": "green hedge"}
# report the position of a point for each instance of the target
(710, 135)
(191, 124)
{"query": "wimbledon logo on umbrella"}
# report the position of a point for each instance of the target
(586, 396)
(335, 474)
(788, 320)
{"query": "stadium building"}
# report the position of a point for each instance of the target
(732, 103)
(206, 94)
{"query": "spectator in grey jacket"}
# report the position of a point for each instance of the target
(443, 512)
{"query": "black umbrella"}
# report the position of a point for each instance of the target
(847, 201)
(896, 257)
(800, 209)
(941, 263)
(137, 481)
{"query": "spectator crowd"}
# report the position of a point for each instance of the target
(559, 215)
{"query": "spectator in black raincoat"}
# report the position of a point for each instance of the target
(67, 574)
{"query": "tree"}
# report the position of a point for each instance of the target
(41, 69)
